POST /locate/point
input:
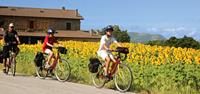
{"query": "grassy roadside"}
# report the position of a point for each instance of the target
(81, 75)
(167, 78)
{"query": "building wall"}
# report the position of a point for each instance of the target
(34, 40)
(23, 23)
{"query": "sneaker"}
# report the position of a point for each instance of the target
(4, 70)
(107, 78)
(51, 72)
(110, 77)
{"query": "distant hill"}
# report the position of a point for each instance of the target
(144, 37)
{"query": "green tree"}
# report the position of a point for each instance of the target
(185, 42)
(188, 42)
(172, 42)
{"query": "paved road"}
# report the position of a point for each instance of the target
(33, 85)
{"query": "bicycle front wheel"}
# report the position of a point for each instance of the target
(123, 78)
(62, 70)
(13, 66)
(98, 78)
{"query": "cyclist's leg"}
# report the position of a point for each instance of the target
(107, 61)
(114, 64)
(50, 53)
(54, 62)
(104, 55)
(5, 56)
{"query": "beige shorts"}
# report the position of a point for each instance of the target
(47, 51)
(103, 54)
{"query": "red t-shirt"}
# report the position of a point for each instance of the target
(50, 40)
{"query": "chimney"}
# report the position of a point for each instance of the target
(90, 32)
(77, 12)
(63, 8)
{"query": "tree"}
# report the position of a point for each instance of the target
(188, 42)
(185, 42)
(172, 42)
(121, 36)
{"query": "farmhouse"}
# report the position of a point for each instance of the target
(32, 23)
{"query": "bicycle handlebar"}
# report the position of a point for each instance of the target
(10, 43)
(121, 50)
(61, 49)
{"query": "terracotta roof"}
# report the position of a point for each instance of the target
(61, 34)
(39, 12)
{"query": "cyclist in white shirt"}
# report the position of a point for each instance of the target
(104, 50)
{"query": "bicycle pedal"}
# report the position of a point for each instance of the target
(107, 80)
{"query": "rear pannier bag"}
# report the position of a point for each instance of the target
(38, 59)
(94, 65)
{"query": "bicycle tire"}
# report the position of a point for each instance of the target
(13, 66)
(62, 70)
(123, 78)
(41, 71)
(98, 79)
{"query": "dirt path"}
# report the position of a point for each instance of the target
(33, 85)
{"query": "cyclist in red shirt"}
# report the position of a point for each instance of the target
(48, 45)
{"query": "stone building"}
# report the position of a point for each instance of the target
(32, 23)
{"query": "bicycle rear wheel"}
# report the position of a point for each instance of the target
(123, 78)
(62, 70)
(13, 66)
(41, 71)
(98, 78)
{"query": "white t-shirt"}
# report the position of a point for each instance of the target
(107, 41)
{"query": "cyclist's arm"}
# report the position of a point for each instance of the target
(116, 42)
(18, 41)
(57, 43)
(16, 36)
(105, 47)
(48, 44)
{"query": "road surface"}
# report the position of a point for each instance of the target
(34, 85)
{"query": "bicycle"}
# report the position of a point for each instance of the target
(12, 59)
(62, 68)
(122, 74)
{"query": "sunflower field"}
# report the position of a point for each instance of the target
(154, 68)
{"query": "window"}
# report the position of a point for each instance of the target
(68, 26)
(31, 25)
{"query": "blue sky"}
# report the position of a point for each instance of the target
(166, 17)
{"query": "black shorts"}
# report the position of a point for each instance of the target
(6, 50)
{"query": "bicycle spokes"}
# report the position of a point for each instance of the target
(123, 78)
(98, 78)
(62, 70)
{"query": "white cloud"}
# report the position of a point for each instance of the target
(173, 31)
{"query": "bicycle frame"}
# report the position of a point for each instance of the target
(57, 57)
(10, 62)
(12, 55)
(115, 67)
